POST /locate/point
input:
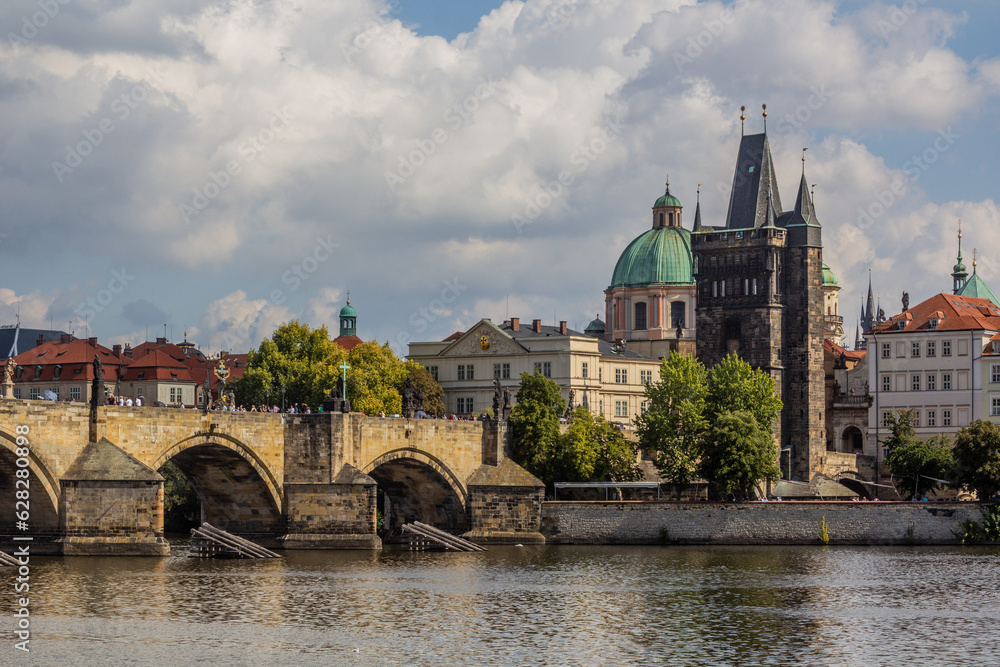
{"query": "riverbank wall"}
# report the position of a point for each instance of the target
(764, 523)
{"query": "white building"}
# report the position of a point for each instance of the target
(940, 359)
(606, 379)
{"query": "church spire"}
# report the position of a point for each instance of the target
(959, 275)
(697, 212)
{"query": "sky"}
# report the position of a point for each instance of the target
(220, 168)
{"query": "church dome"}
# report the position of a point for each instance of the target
(660, 256)
(667, 199)
(348, 311)
(829, 278)
(596, 328)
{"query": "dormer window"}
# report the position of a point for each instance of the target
(932, 324)
(900, 325)
(17, 373)
(58, 372)
(38, 371)
(996, 347)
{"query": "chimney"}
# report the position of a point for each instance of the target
(65, 338)
(536, 325)
(116, 350)
(41, 339)
(92, 341)
(128, 350)
(161, 341)
(562, 327)
(515, 324)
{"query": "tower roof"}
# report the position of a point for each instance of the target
(348, 311)
(753, 180)
(829, 277)
(977, 287)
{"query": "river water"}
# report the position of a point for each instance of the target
(518, 605)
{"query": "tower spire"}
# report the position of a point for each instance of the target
(697, 212)
(743, 118)
(764, 108)
(959, 275)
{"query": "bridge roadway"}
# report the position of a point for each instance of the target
(296, 481)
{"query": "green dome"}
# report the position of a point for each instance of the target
(659, 256)
(667, 199)
(959, 268)
(348, 311)
(829, 279)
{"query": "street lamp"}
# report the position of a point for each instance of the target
(267, 399)
(282, 398)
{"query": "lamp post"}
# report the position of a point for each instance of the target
(282, 398)
(267, 398)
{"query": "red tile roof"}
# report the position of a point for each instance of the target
(961, 313)
(157, 365)
(75, 357)
(348, 342)
(837, 350)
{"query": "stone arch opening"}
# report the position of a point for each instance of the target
(852, 440)
(237, 492)
(42, 497)
(414, 486)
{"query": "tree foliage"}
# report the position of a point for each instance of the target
(977, 458)
(375, 379)
(674, 425)
(534, 425)
(738, 454)
(181, 505)
(688, 408)
(915, 463)
(425, 383)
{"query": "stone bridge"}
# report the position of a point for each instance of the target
(297, 481)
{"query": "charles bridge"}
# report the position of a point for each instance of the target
(299, 481)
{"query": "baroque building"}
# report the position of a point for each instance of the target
(760, 294)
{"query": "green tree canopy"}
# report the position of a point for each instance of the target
(425, 383)
(375, 379)
(534, 426)
(977, 458)
(738, 454)
(674, 424)
(592, 449)
(734, 386)
(915, 463)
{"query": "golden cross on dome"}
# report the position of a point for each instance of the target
(974, 258)
(348, 297)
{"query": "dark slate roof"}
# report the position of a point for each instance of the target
(507, 473)
(753, 180)
(15, 340)
(105, 461)
(351, 475)
(697, 217)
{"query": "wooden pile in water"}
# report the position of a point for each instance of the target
(8, 560)
(423, 536)
(210, 542)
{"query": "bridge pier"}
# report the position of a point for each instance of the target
(340, 515)
(111, 505)
(505, 505)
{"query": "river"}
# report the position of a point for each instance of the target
(518, 605)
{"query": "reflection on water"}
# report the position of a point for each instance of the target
(529, 605)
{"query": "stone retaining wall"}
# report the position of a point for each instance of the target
(754, 523)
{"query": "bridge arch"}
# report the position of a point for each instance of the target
(417, 486)
(237, 489)
(40, 475)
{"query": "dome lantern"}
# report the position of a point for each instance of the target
(667, 210)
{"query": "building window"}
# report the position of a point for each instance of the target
(931, 382)
(886, 350)
(621, 408)
(461, 371)
(994, 406)
(946, 418)
(677, 314)
(17, 392)
(746, 287)
(885, 417)
(931, 348)
(547, 369)
(932, 418)
(538, 368)
(994, 372)
(640, 316)
(886, 383)
(505, 371)
(915, 383)
(74, 393)
(916, 417)
(496, 371)
(715, 288)
(33, 393)
(644, 407)
(946, 381)
(464, 406)
(915, 349)
(470, 372)
(621, 376)
(600, 407)
(585, 370)
(722, 290)
(433, 370)
(646, 377)
(946, 348)
(176, 394)
(753, 285)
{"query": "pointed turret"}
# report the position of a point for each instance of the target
(753, 181)
(857, 336)
(697, 212)
(959, 275)
(869, 314)
(803, 227)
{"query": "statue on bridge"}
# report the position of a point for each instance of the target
(497, 397)
(412, 399)
(337, 400)
(7, 390)
(97, 384)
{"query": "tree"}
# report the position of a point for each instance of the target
(734, 386)
(674, 424)
(915, 463)
(738, 453)
(534, 426)
(425, 383)
(181, 505)
(375, 379)
(302, 360)
(592, 449)
(977, 458)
